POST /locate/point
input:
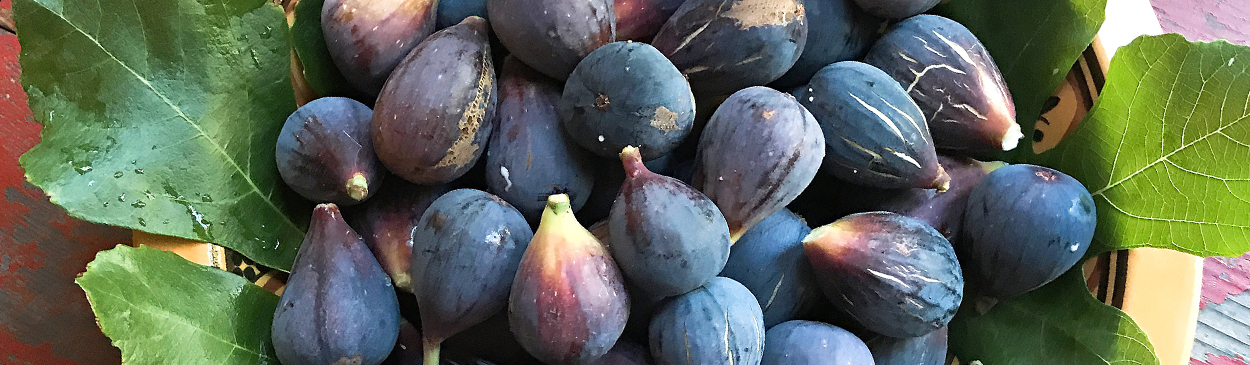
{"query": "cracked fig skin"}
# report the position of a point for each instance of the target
(338, 306)
(433, 117)
(953, 79)
(893, 274)
(568, 303)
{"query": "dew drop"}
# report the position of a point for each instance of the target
(143, 222)
(122, 198)
(106, 204)
(118, 175)
(206, 198)
(139, 204)
(165, 221)
(139, 171)
(148, 193)
(1074, 247)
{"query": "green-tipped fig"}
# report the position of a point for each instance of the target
(568, 303)
(325, 154)
(338, 306)
(667, 237)
(893, 273)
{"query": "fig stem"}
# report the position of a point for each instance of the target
(943, 181)
(558, 204)
(631, 159)
(358, 187)
(432, 347)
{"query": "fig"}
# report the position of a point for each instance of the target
(929, 349)
(893, 274)
(608, 179)
(726, 45)
(942, 211)
(759, 150)
(718, 323)
(627, 94)
(813, 343)
(407, 350)
(568, 303)
(896, 9)
(639, 20)
(1023, 226)
(386, 223)
(836, 31)
(324, 152)
(434, 114)
(465, 253)
(769, 261)
(368, 39)
(552, 36)
(667, 237)
(953, 79)
(338, 306)
(451, 12)
(530, 158)
(874, 134)
(625, 352)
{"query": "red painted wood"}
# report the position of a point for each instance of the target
(44, 316)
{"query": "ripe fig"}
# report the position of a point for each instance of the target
(530, 157)
(929, 349)
(894, 274)
(874, 134)
(367, 39)
(433, 117)
(896, 9)
(552, 36)
(759, 150)
(813, 343)
(1024, 225)
(386, 223)
(627, 94)
(465, 253)
(942, 211)
(608, 179)
(725, 45)
(338, 306)
(836, 31)
(639, 20)
(953, 79)
(769, 261)
(667, 237)
(325, 154)
(568, 303)
(718, 323)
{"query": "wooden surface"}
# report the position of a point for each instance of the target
(1223, 333)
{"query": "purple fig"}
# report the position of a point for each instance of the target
(368, 38)
(325, 153)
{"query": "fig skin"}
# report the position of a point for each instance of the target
(325, 152)
(813, 343)
(957, 85)
(718, 323)
(837, 30)
(723, 46)
(769, 261)
(386, 223)
(1024, 226)
(874, 134)
(568, 303)
(368, 38)
(552, 36)
(667, 237)
(639, 20)
(465, 253)
(530, 157)
(929, 349)
(893, 274)
(338, 305)
(760, 149)
(434, 115)
(896, 9)
(627, 94)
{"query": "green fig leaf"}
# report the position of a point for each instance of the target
(163, 117)
(1060, 323)
(1034, 43)
(159, 308)
(310, 45)
(1164, 150)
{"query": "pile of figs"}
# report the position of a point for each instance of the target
(659, 182)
